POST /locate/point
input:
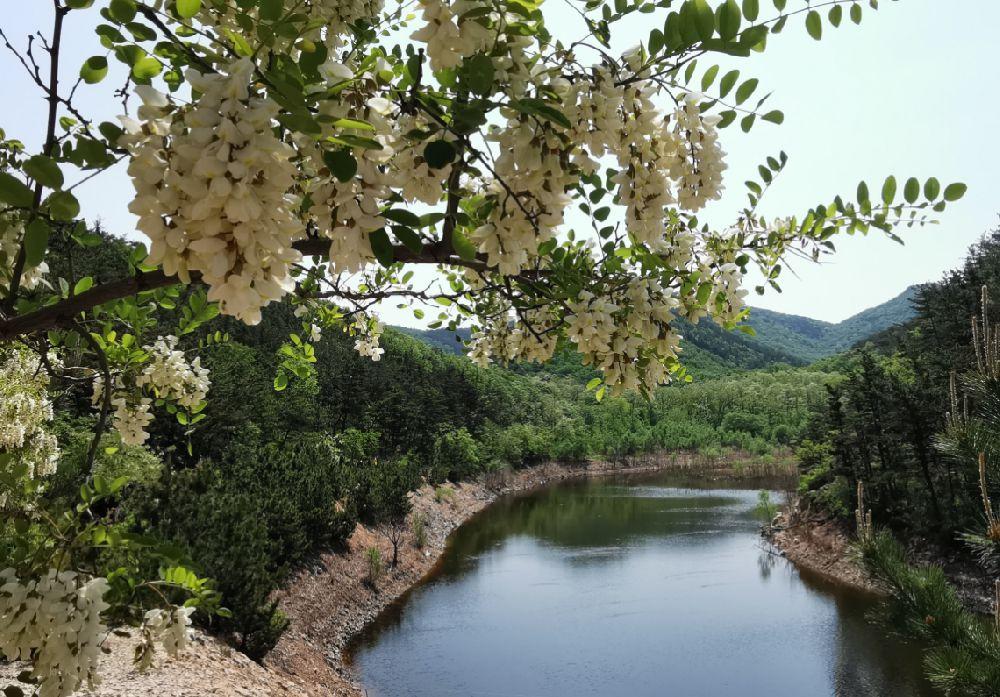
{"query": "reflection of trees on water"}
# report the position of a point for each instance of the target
(588, 515)
(867, 663)
(766, 562)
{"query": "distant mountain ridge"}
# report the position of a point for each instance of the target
(780, 338)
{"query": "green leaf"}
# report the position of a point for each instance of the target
(94, 69)
(280, 382)
(36, 241)
(751, 9)
(863, 194)
(537, 107)
(14, 192)
(477, 74)
(856, 13)
(911, 191)
(83, 285)
(271, 10)
(730, 19)
(775, 116)
(401, 216)
(45, 171)
(409, 238)
(188, 8)
(462, 246)
(704, 18)
(836, 15)
(814, 25)
(122, 10)
(592, 385)
(727, 82)
(744, 91)
(146, 68)
(341, 163)
(932, 187)
(438, 153)
(953, 192)
(382, 247)
(353, 123)
(889, 190)
(709, 77)
(63, 205)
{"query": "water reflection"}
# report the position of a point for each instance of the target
(635, 587)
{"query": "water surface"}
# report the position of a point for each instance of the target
(628, 587)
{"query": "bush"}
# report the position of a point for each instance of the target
(250, 518)
(455, 456)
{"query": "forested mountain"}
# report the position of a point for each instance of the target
(780, 338)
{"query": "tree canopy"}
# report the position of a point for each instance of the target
(320, 152)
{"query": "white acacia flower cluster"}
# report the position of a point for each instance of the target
(25, 409)
(170, 627)
(211, 190)
(369, 332)
(699, 169)
(532, 165)
(11, 234)
(55, 623)
(168, 375)
(132, 413)
(450, 40)
(530, 337)
(631, 340)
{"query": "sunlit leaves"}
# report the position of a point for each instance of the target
(146, 68)
(44, 170)
(62, 205)
(188, 8)
(94, 69)
(14, 192)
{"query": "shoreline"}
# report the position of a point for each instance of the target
(820, 547)
(329, 602)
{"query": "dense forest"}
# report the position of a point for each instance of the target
(288, 468)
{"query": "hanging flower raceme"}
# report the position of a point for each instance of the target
(25, 411)
(11, 237)
(168, 375)
(54, 622)
(171, 627)
(212, 185)
(368, 331)
(699, 165)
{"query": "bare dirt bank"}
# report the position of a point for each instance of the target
(820, 546)
(331, 601)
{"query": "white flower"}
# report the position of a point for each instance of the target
(54, 623)
(211, 187)
(25, 410)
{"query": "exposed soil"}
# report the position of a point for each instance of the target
(822, 545)
(332, 600)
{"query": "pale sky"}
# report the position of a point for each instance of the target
(909, 92)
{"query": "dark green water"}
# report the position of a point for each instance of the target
(628, 587)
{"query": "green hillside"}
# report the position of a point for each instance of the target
(710, 351)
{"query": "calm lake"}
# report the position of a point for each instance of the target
(632, 587)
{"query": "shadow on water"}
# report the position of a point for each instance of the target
(628, 586)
